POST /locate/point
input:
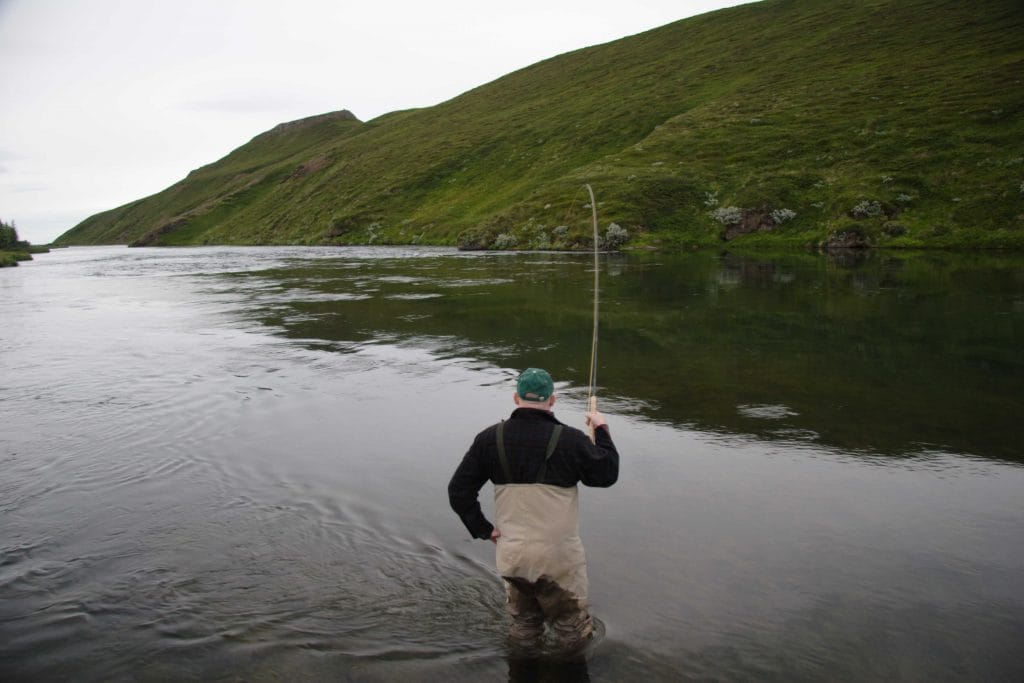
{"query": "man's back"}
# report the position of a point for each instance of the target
(525, 436)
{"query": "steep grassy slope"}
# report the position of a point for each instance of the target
(224, 189)
(787, 121)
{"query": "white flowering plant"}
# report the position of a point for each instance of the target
(727, 215)
(505, 240)
(780, 216)
(867, 209)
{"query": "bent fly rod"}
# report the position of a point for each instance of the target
(592, 395)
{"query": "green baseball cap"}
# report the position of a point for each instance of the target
(535, 385)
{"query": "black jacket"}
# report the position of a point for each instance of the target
(527, 433)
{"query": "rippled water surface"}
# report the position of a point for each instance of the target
(230, 464)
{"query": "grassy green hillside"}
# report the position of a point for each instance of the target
(887, 122)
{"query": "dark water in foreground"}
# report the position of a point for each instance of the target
(230, 464)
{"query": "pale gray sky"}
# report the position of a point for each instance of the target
(107, 101)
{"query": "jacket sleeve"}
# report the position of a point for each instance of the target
(464, 489)
(598, 462)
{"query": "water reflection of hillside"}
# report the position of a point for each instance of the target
(887, 354)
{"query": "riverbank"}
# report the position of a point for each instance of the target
(12, 249)
(9, 259)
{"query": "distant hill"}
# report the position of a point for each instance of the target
(887, 122)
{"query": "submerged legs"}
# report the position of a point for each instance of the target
(532, 604)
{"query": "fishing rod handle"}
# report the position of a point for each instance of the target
(592, 408)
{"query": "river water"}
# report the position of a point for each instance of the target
(231, 463)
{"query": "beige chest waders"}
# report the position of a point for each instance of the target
(539, 525)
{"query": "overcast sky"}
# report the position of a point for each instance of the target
(108, 101)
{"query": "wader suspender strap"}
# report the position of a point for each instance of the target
(547, 454)
(552, 443)
(501, 452)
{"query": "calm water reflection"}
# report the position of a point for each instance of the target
(891, 355)
(230, 463)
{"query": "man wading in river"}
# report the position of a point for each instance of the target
(535, 463)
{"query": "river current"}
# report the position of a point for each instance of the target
(231, 463)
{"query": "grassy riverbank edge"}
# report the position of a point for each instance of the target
(11, 258)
